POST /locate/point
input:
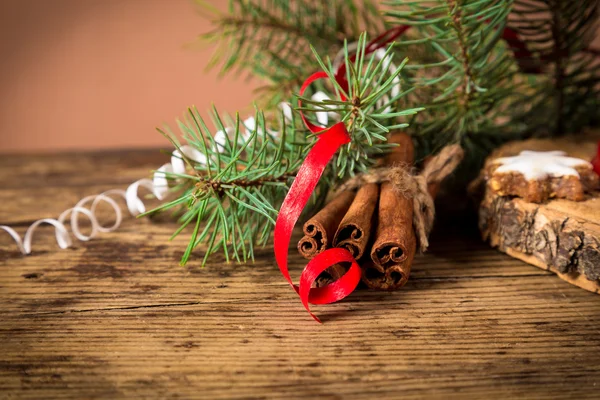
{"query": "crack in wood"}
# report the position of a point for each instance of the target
(85, 310)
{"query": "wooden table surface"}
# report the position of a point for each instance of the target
(117, 317)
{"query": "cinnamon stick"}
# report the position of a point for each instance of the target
(320, 229)
(330, 275)
(395, 243)
(355, 229)
(404, 153)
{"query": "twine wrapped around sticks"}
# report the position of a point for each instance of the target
(415, 186)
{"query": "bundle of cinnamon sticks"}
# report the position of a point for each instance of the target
(373, 222)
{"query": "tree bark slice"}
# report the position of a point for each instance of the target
(559, 235)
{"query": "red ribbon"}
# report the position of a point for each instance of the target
(596, 160)
(312, 127)
(328, 142)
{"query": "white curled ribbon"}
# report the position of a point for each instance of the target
(158, 186)
(63, 238)
(322, 116)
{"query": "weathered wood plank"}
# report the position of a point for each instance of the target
(78, 169)
(117, 317)
(138, 264)
(450, 342)
(42, 186)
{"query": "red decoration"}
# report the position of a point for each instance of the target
(596, 160)
(328, 142)
(380, 41)
(527, 63)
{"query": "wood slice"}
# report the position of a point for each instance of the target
(559, 235)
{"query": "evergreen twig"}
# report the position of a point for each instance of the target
(468, 78)
(231, 200)
(270, 39)
(559, 34)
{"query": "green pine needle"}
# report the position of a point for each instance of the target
(234, 196)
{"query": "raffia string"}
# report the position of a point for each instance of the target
(415, 186)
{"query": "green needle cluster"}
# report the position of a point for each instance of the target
(231, 200)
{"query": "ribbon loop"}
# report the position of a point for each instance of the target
(311, 170)
(328, 142)
(302, 188)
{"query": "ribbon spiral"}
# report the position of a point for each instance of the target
(158, 186)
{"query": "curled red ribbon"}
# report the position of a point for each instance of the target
(380, 41)
(328, 142)
(596, 160)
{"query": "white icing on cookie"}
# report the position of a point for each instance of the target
(536, 165)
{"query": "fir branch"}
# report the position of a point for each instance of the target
(457, 24)
(230, 198)
(466, 77)
(248, 173)
(270, 38)
(369, 111)
(559, 34)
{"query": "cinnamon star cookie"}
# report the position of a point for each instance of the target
(537, 176)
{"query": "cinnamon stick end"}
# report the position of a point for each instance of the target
(330, 275)
(392, 278)
(352, 238)
(389, 254)
(320, 229)
(308, 247)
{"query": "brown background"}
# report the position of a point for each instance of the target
(81, 74)
(87, 74)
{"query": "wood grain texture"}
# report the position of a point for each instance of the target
(117, 317)
(558, 235)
